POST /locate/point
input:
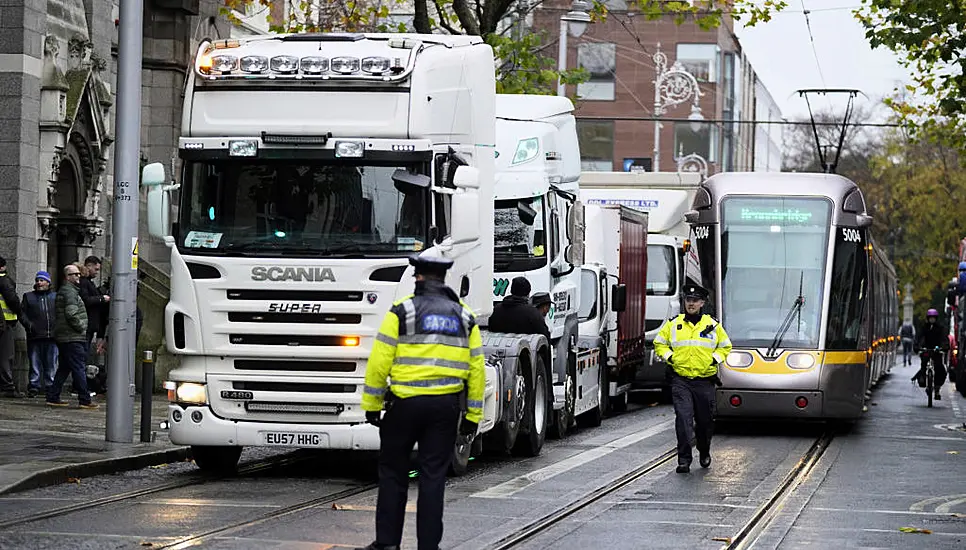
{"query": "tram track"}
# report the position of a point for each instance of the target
(765, 514)
(195, 479)
(744, 538)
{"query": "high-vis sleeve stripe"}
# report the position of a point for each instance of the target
(447, 381)
(385, 339)
(374, 391)
(474, 404)
(433, 362)
(446, 340)
(475, 352)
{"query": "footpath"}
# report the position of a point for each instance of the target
(41, 445)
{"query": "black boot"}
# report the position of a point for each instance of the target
(683, 468)
(705, 460)
(377, 546)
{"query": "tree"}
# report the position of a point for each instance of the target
(929, 36)
(908, 183)
(522, 64)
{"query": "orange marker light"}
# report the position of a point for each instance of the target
(204, 63)
(350, 341)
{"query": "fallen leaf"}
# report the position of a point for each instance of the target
(158, 466)
(722, 539)
(915, 530)
(958, 515)
(73, 480)
(952, 452)
(652, 405)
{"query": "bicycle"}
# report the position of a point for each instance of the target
(930, 372)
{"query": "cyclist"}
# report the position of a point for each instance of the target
(932, 335)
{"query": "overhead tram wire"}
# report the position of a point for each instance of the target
(726, 121)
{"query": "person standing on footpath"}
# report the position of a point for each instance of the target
(38, 312)
(693, 345)
(10, 306)
(71, 334)
(430, 349)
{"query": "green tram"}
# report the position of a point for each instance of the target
(809, 300)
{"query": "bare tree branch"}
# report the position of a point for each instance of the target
(421, 17)
(444, 19)
(466, 18)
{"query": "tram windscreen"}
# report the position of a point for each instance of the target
(772, 250)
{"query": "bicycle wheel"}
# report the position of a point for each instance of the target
(930, 374)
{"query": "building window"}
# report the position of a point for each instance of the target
(701, 60)
(596, 139)
(702, 142)
(600, 60)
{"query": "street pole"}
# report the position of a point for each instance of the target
(127, 160)
(562, 57)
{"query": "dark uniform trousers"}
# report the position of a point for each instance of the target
(431, 421)
(694, 402)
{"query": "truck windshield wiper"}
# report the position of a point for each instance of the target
(787, 323)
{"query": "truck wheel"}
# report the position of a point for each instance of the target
(461, 455)
(595, 416)
(535, 418)
(502, 439)
(216, 460)
(563, 418)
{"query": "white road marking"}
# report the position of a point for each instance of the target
(519, 483)
(922, 504)
(886, 512)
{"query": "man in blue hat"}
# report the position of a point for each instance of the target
(693, 345)
(38, 312)
(428, 351)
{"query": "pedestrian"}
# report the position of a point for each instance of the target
(430, 350)
(38, 312)
(10, 306)
(542, 301)
(693, 345)
(908, 335)
(70, 332)
(96, 302)
(515, 314)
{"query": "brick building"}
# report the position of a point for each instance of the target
(616, 106)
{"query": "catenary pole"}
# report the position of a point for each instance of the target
(127, 157)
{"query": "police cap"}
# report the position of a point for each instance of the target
(695, 291)
(540, 299)
(430, 265)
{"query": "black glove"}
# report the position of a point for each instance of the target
(468, 428)
(716, 380)
(374, 418)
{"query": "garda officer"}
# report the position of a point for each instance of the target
(693, 345)
(10, 307)
(429, 347)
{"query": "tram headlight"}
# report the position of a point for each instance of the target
(800, 361)
(739, 359)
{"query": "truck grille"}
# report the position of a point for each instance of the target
(294, 408)
(284, 340)
(293, 365)
(275, 317)
(294, 387)
(296, 295)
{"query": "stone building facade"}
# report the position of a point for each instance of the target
(57, 106)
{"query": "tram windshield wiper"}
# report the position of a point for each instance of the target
(787, 323)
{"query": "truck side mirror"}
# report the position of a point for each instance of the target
(618, 297)
(466, 225)
(158, 207)
(527, 214)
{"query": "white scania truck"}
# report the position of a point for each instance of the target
(313, 166)
(665, 197)
(538, 226)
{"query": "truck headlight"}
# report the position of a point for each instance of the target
(254, 63)
(242, 148)
(527, 149)
(349, 148)
(375, 65)
(314, 64)
(186, 392)
(224, 63)
(285, 64)
(344, 65)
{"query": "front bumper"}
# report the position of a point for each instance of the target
(205, 428)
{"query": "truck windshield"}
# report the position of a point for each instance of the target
(772, 250)
(518, 246)
(267, 207)
(661, 272)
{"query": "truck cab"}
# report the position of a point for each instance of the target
(538, 228)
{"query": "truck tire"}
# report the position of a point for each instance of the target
(500, 440)
(595, 417)
(562, 419)
(618, 403)
(216, 460)
(535, 418)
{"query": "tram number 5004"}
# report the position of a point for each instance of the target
(850, 235)
(701, 232)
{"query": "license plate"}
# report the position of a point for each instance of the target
(295, 439)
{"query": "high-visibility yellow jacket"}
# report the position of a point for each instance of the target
(693, 350)
(8, 299)
(428, 344)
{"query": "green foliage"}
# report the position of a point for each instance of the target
(522, 70)
(706, 14)
(929, 36)
(909, 184)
